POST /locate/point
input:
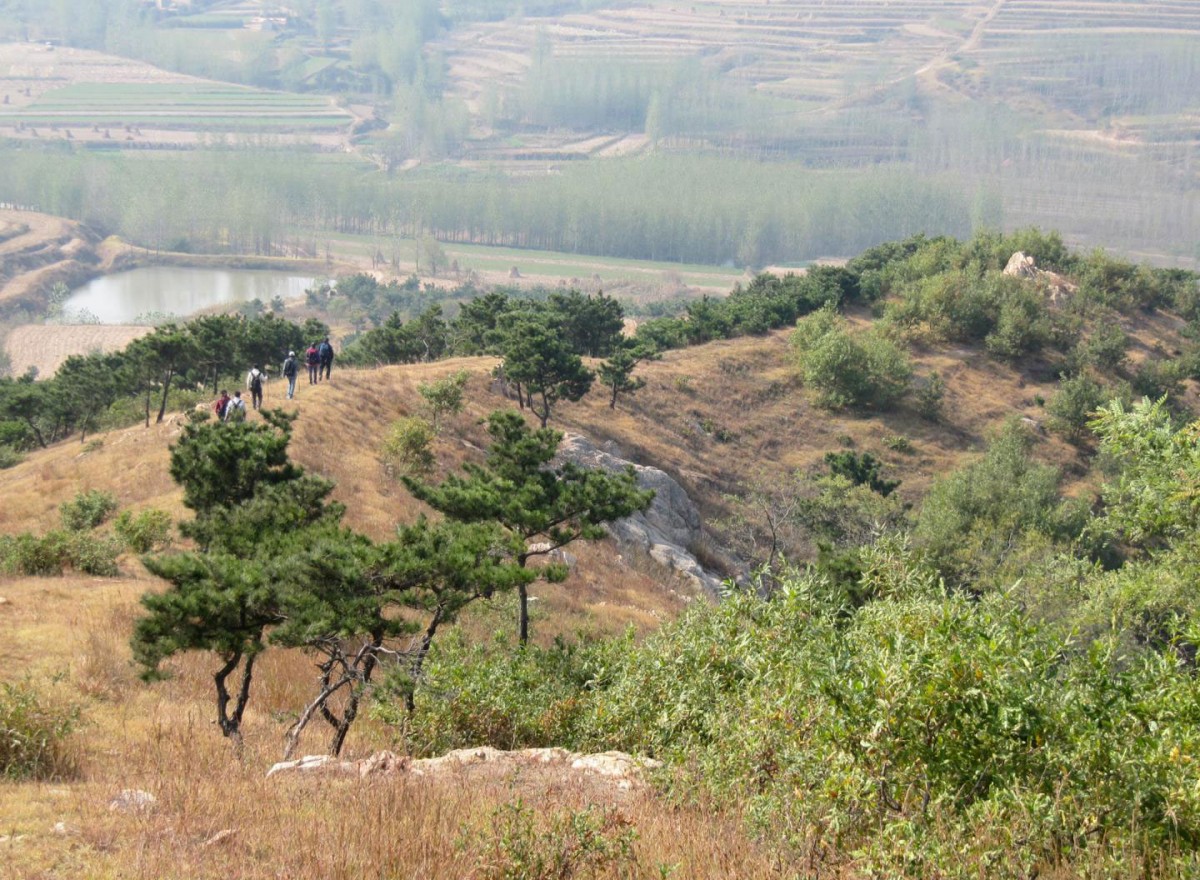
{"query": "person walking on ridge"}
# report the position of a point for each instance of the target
(236, 410)
(254, 383)
(221, 405)
(312, 359)
(290, 369)
(326, 355)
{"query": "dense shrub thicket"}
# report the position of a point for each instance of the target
(930, 709)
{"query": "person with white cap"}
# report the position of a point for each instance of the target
(290, 371)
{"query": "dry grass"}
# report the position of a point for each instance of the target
(160, 739)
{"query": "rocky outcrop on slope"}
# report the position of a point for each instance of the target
(1021, 265)
(666, 529)
(617, 769)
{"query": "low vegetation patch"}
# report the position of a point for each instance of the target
(35, 733)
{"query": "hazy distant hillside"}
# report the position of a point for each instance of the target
(966, 115)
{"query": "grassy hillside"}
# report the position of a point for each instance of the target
(733, 421)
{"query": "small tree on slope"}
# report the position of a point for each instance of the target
(543, 506)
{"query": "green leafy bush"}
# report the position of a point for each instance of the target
(408, 448)
(145, 531)
(849, 370)
(57, 551)
(483, 693)
(9, 457)
(924, 733)
(87, 510)
(861, 470)
(974, 516)
(592, 842)
(34, 733)
(1071, 408)
(1022, 324)
(929, 396)
(1104, 347)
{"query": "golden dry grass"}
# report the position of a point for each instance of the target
(159, 738)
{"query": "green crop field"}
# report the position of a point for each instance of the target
(179, 106)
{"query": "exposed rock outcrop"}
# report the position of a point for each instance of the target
(1020, 265)
(667, 528)
(616, 768)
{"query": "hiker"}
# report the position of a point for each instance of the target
(221, 404)
(325, 353)
(312, 359)
(235, 410)
(290, 369)
(254, 382)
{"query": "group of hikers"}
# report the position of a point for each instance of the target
(319, 360)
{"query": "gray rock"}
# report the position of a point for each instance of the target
(133, 800)
(666, 529)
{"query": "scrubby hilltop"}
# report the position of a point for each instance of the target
(918, 443)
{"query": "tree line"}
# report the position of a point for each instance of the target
(280, 202)
(92, 391)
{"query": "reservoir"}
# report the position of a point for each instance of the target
(176, 290)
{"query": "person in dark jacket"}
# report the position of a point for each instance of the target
(219, 406)
(325, 353)
(290, 370)
(255, 380)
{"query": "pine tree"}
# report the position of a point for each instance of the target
(543, 506)
(616, 373)
(541, 362)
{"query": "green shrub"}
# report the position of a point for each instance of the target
(57, 551)
(1104, 348)
(1022, 324)
(925, 734)
(1071, 408)
(861, 470)
(849, 370)
(87, 510)
(34, 734)
(408, 448)
(1158, 378)
(929, 396)
(592, 842)
(9, 457)
(145, 531)
(484, 693)
(972, 517)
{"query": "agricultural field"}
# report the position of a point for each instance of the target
(644, 280)
(51, 93)
(45, 346)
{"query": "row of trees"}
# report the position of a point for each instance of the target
(271, 202)
(192, 356)
(273, 564)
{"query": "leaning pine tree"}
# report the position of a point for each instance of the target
(253, 509)
(542, 505)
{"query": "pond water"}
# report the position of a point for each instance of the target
(176, 290)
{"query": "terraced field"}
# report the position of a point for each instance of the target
(86, 96)
(797, 49)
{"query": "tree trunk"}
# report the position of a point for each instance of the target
(523, 614)
(231, 723)
(36, 433)
(410, 701)
(162, 409)
(369, 659)
(147, 405)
